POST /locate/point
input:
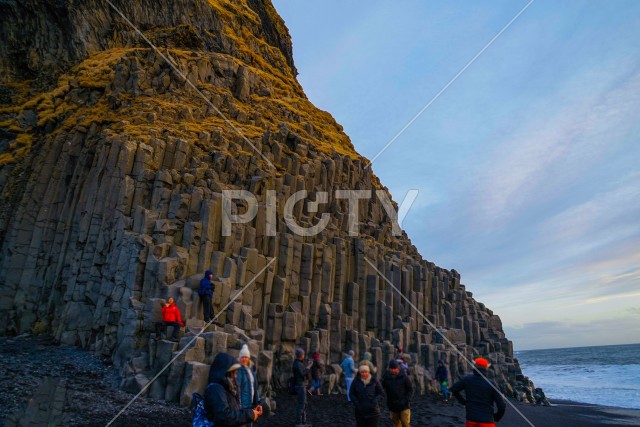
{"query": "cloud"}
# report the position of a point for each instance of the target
(543, 156)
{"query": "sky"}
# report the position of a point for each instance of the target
(527, 165)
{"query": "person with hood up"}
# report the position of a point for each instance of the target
(205, 291)
(247, 382)
(300, 374)
(367, 361)
(399, 389)
(366, 393)
(442, 377)
(349, 369)
(480, 396)
(170, 317)
(221, 398)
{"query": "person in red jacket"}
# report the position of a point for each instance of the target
(170, 317)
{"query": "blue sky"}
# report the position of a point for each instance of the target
(527, 166)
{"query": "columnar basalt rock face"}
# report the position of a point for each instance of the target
(112, 181)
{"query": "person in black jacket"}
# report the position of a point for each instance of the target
(300, 376)
(399, 389)
(442, 377)
(221, 398)
(366, 393)
(481, 395)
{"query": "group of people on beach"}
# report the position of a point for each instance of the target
(231, 397)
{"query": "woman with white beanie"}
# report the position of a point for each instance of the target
(247, 382)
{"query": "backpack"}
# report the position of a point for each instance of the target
(199, 413)
(291, 386)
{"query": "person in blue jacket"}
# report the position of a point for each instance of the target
(205, 291)
(349, 368)
(221, 398)
(247, 380)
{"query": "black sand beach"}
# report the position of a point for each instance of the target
(93, 397)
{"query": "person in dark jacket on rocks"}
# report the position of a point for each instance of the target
(480, 397)
(442, 377)
(300, 377)
(205, 291)
(366, 393)
(399, 389)
(170, 317)
(221, 398)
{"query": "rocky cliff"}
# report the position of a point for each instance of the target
(112, 169)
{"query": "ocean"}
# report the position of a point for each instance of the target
(605, 375)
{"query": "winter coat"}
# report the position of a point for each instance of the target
(399, 389)
(244, 382)
(317, 369)
(479, 398)
(206, 287)
(222, 405)
(366, 398)
(348, 367)
(171, 313)
(300, 373)
(442, 374)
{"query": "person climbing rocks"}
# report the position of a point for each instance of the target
(349, 370)
(366, 393)
(205, 291)
(442, 377)
(170, 317)
(222, 398)
(300, 376)
(399, 389)
(247, 380)
(480, 397)
(317, 371)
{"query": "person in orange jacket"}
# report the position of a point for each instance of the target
(170, 317)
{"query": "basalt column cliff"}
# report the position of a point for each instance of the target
(112, 169)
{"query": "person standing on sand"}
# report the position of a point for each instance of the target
(317, 370)
(170, 317)
(300, 375)
(247, 382)
(480, 397)
(442, 376)
(399, 391)
(222, 399)
(349, 369)
(366, 393)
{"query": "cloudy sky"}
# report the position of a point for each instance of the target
(527, 165)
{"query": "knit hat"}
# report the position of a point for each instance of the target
(351, 353)
(299, 352)
(440, 362)
(245, 351)
(316, 355)
(482, 363)
(393, 364)
(364, 367)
